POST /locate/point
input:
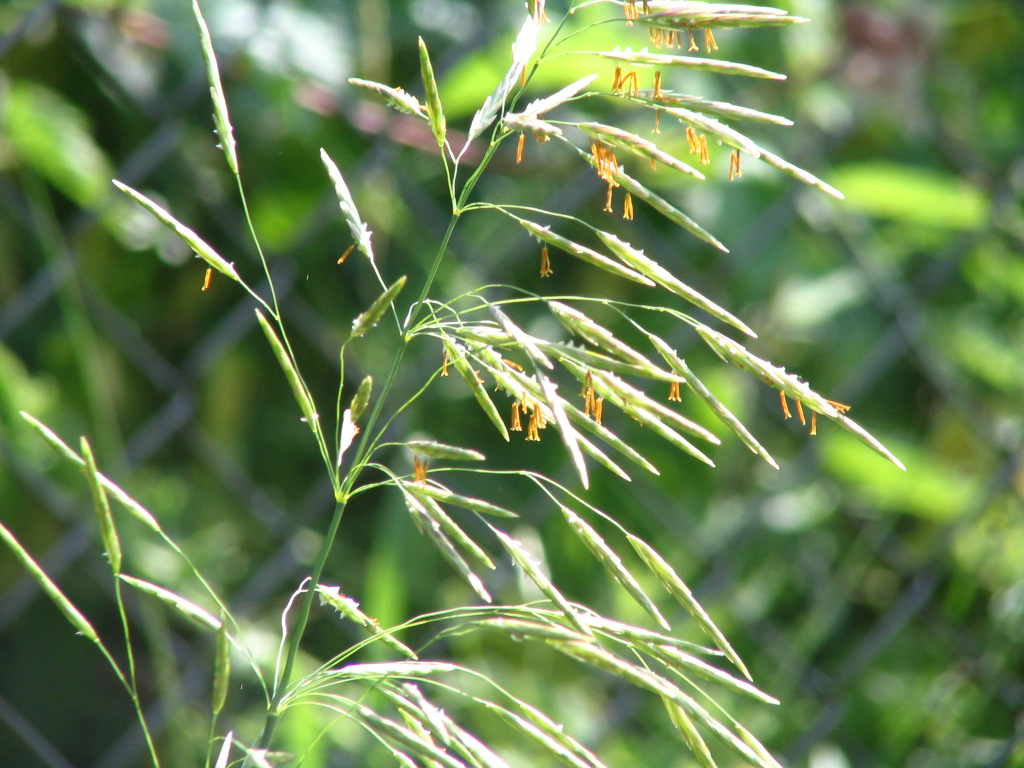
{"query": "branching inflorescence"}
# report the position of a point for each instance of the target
(523, 383)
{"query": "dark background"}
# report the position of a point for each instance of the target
(885, 609)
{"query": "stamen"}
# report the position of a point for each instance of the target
(735, 170)
(657, 84)
(693, 43)
(814, 423)
(800, 412)
(627, 207)
(588, 383)
(692, 140)
(347, 253)
(631, 77)
(532, 430)
(704, 159)
(545, 262)
(657, 122)
(785, 405)
(709, 41)
(607, 167)
(841, 407)
(616, 83)
(630, 11)
(208, 278)
(512, 364)
(598, 409)
(674, 396)
(517, 424)
(519, 148)
(444, 363)
(419, 470)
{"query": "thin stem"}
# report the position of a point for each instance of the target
(280, 685)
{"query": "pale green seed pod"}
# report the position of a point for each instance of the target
(434, 112)
(111, 542)
(362, 398)
(375, 312)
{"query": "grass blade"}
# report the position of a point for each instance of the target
(457, 354)
(522, 50)
(368, 319)
(678, 589)
(221, 667)
(360, 232)
(583, 253)
(435, 113)
(182, 605)
(220, 105)
(396, 98)
(522, 558)
(302, 396)
(643, 264)
(613, 564)
(190, 238)
(432, 449)
(78, 621)
(139, 512)
(678, 365)
(108, 532)
(349, 608)
(689, 732)
(718, 66)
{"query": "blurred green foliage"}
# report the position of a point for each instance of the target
(885, 609)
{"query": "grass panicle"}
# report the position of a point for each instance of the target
(548, 377)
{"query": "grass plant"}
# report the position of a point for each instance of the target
(606, 357)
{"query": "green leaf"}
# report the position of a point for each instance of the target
(913, 196)
(54, 137)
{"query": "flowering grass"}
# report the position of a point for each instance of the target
(523, 383)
